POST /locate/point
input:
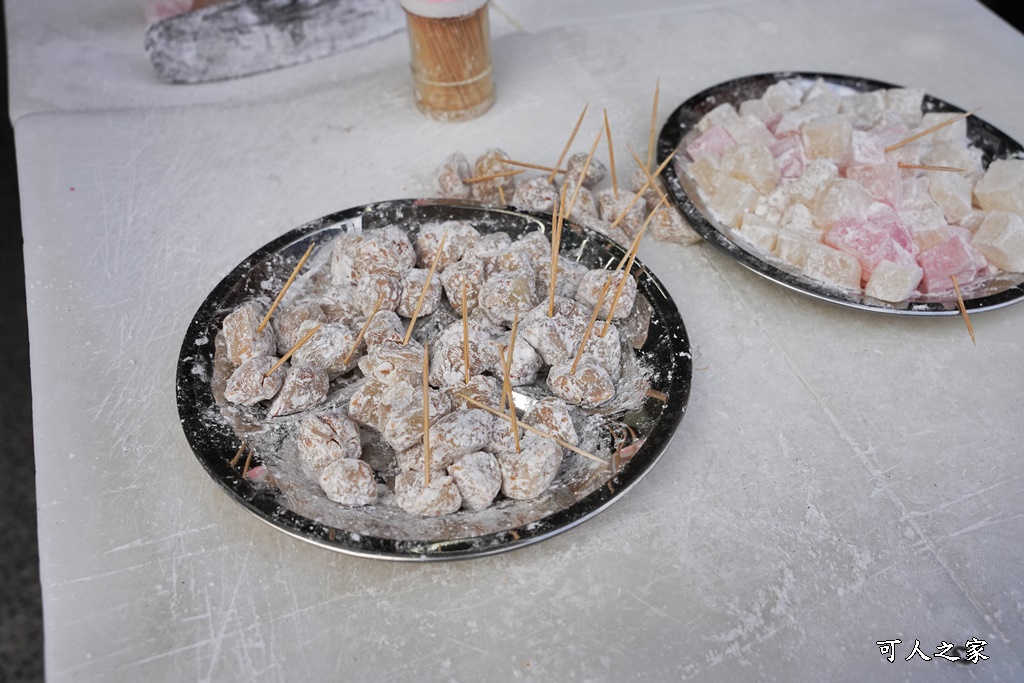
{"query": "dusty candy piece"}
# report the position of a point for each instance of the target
(973, 220)
(570, 274)
(639, 184)
(372, 287)
(721, 114)
(287, 322)
(447, 358)
(864, 110)
(585, 208)
(822, 94)
(339, 306)
(247, 385)
(490, 244)
(788, 153)
(759, 232)
(781, 96)
(752, 164)
(954, 256)
(468, 272)
(502, 440)
(349, 482)
(327, 348)
(1002, 187)
(462, 238)
(892, 281)
(487, 191)
(551, 415)
(574, 167)
(706, 170)
(458, 433)
(527, 474)
(240, 336)
(413, 495)
(535, 194)
(868, 243)
(882, 182)
(840, 198)
(481, 388)
(303, 388)
(452, 176)
(732, 199)
(324, 438)
(633, 330)
(955, 133)
(605, 349)
(1000, 237)
(412, 287)
(716, 140)
(514, 259)
(757, 108)
(906, 102)
(589, 386)
(792, 122)
(773, 206)
(669, 225)
(402, 413)
(478, 477)
(536, 247)
(385, 328)
(557, 337)
(749, 130)
(593, 282)
(792, 246)
(817, 173)
(526, 363)
(828, 137)
(343, 259)
(832, 266)
(951, 192)
(798, 218)
(385, 250)
(394, 363)
(970, 159)
(505, 294)
(366, 406)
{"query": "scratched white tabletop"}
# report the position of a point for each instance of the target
(839, 479)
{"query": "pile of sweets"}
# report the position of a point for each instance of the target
(803, 175)
(594, 209)
(474, 453)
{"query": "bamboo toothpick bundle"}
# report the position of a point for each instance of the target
(451, 57)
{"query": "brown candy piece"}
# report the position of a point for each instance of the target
(287, 322)
(452, 175)
(240, 336)
(349, 482)
(527, 474)
(324, 438)
(247, 385)
(552, 415)
(593, 282)
(413, 495)
(327, 348)
(589, 386)
(304, 387)
(461, 238)
(478, 477)
(412, 286)
(458, 433)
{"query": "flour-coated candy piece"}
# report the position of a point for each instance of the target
(247, 385)
(328, 348)
(506, 294)
(452, 176)
(412, 494)
(593, 282)
(385, 250)
(304, 388)
(468, 272)
(349, 482)
(527, 474)
(241, 339)
(487, 191)
(478, 477)
(552, 416)
(412, 286)
(324, 438)
(589, 386)
(372, 286)
(461, 238)
(288, 320)
(536, 194)
(385, 328)
(394, 363)
(458, 433)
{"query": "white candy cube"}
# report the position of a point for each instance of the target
(828, 138)
(732, 199)
(759, 232)
(717, 116)
(951, 192)
(1000, 237)
(1002, 188)
(752, 164)
(832, 267)
(891, 281)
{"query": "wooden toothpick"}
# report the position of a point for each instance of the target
(643, 188)
(366, 326)
(650, 179)
(465, 332)
(556, 246)
(928, 131)
(501, 196)
(426, 415)
(491, 176)
(963, 309)
(248, 461)
(654, 124)
(925, 167)
(238, 454)
(611, 156)
(426, 286)
(291, 279)
(524, 164)
(633, 249)
(508, 381)
(298, 345)
(583, 173)
(530, 428)
(593, 319)
(565, 150)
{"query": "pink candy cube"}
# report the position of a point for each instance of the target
(867, 242)
(714, 140)
(789, 156)
(897, 229)
(952, 257)
(882, 181)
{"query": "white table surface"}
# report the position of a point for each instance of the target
(840, 477)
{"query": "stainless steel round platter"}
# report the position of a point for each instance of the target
(288, 498)
(994, 292)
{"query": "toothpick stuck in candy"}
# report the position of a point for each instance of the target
(281, 361)
(565, 150)
(287, 284)
(362, 331)
(426, 286)
(928, 131)
(611, 156)
(426, 414)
